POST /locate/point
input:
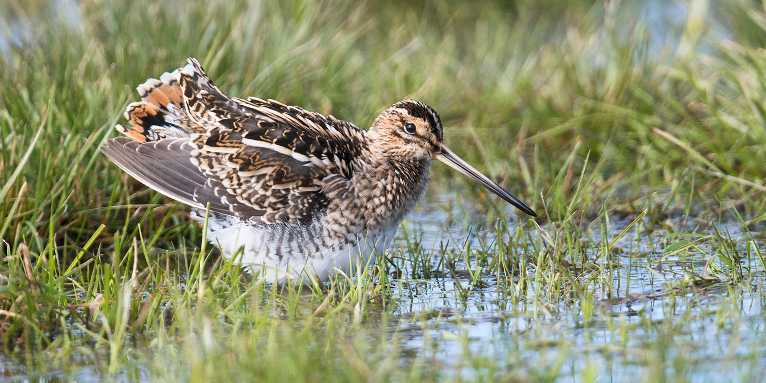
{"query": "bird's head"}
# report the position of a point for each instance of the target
(412, 131)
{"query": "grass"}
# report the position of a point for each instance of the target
(641, 143)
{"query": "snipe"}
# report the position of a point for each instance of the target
(303, 193)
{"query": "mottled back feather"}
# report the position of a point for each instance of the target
(259, 160)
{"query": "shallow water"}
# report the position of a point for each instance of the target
(648, 323)
(654, 324)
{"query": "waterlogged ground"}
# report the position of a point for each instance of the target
(658, 312)
(681, 300)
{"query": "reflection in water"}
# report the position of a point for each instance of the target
(683, 301)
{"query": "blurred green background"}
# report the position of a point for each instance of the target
(660, 97)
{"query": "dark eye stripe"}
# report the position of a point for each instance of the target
(424, 112)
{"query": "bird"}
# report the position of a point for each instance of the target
(292, 194)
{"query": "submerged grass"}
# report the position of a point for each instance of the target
(641, 142)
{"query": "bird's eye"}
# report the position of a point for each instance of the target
(409, 128)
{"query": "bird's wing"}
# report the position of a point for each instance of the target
(259, 160)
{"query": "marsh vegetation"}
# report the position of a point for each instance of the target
(636, 129)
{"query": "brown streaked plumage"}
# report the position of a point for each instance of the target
(302, 192)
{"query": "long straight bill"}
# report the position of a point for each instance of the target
(458, 164)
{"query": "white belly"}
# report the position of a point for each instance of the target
(295, 256)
